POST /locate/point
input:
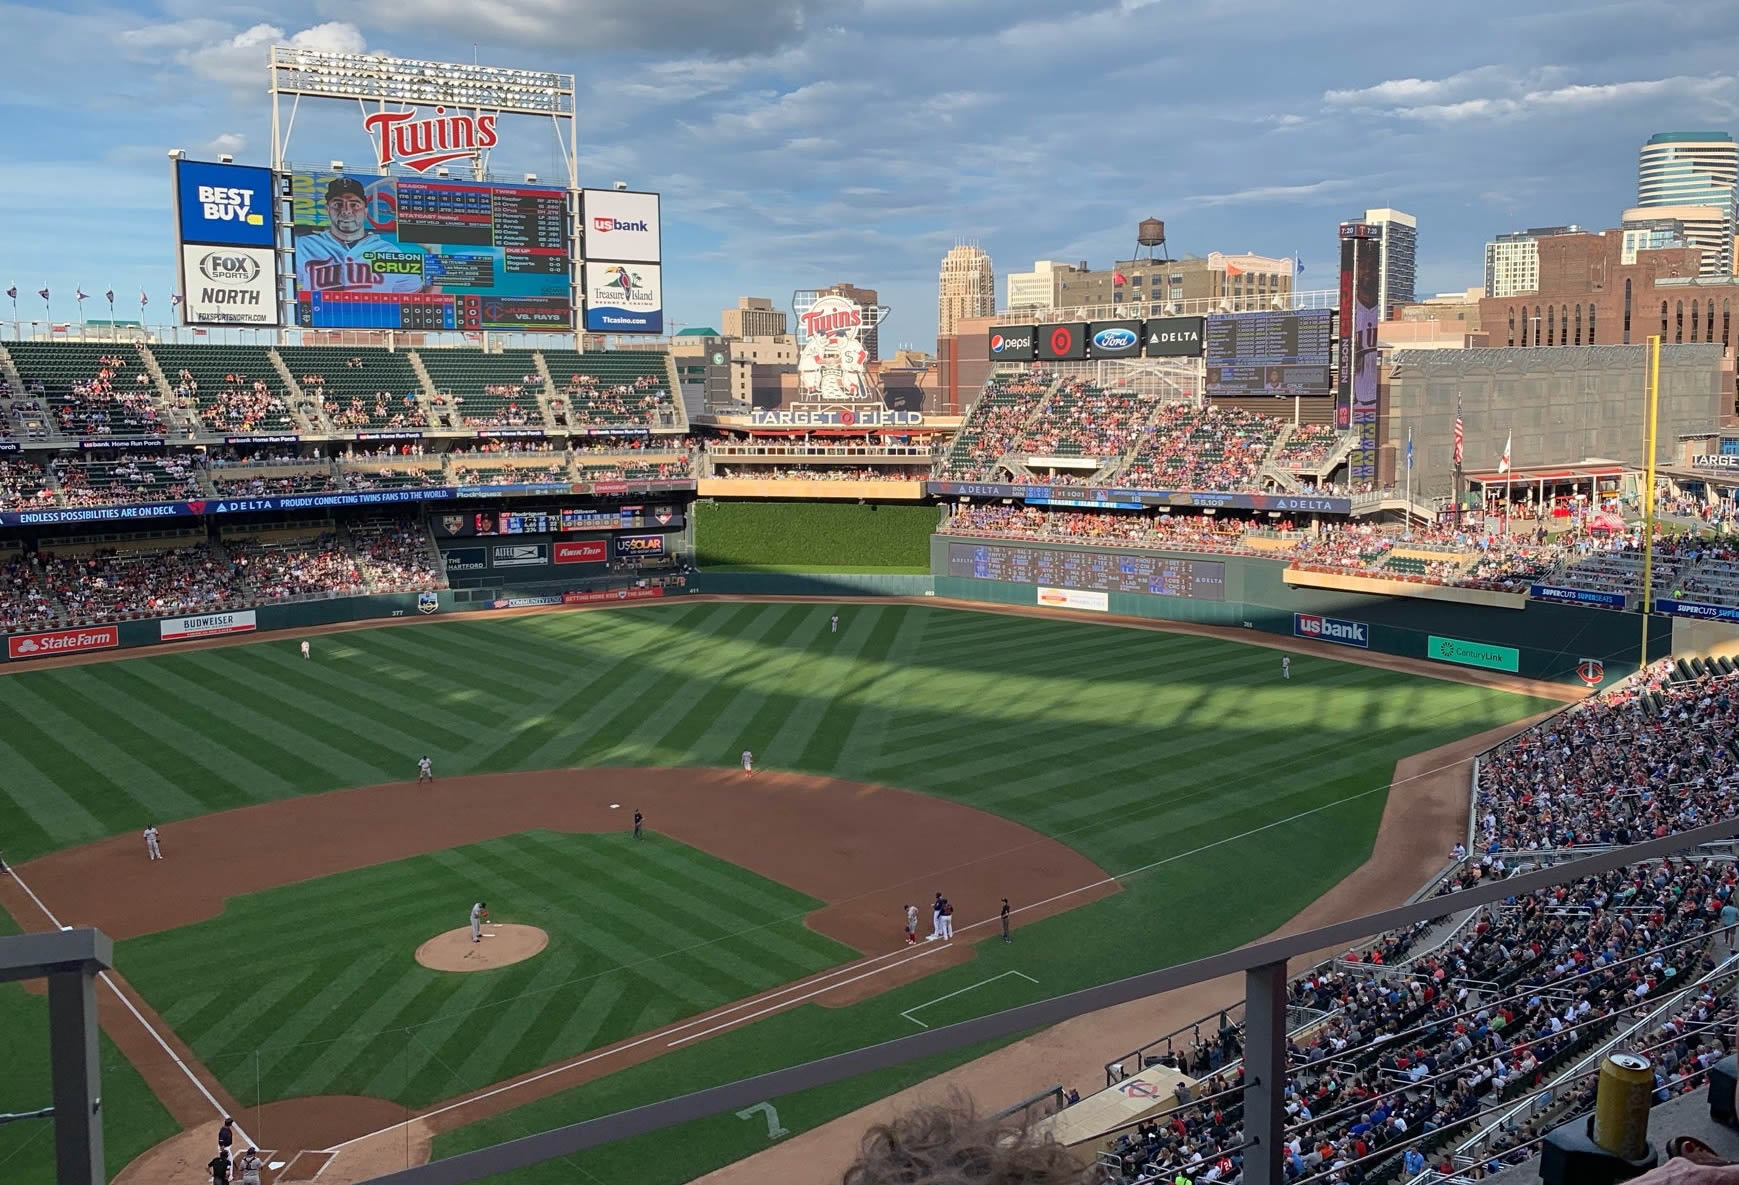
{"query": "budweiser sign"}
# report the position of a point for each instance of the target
(46, 645)
(421, 144)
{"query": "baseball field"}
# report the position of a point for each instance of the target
(1141, 796)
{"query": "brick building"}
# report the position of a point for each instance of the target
(1588, 296)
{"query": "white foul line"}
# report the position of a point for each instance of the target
(908, 1012)
(138, 1016)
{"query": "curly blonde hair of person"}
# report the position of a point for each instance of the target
(951, 1145)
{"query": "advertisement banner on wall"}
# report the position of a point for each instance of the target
(1075, 598)
(460, 560)
(1173, 337)
(229, 285)
(52, 642)
(1114, 339)
(519, 555)
(624, 298)
(224, 205)
(1473, 654)
(1061, 343)
(581, 551)
(1331, 629)
(1011, 343)
(620, 225)
(211, 625)
(630, 545)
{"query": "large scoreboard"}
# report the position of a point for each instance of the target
(1089, 571)
(429, 254)
(1270, 353)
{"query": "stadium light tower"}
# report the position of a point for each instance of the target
(404, 84)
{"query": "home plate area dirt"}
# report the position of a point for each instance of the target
(501, 945)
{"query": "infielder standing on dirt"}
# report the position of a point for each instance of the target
(425, 770)
(151, 848)
(479, 915)
(911, 925)
(636, 824)
(748, 762)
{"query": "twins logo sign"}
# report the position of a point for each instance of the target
(1331, 629)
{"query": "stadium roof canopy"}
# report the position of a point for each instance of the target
(1553, 474)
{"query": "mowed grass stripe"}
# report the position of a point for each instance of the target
(44, 813)
(515, 672)
(869, 725)
(337, 745)
(772, 664)
(151, 772)
(844, 669)
(99, 785)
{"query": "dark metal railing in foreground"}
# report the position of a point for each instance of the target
(1263, 966)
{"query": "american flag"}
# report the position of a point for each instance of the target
(1460, 435)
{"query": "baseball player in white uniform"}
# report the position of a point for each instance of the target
(1286, 667)
(304, 650)
(347, 256)
(479, 915)
(425, 770)
(748, 762)
(151, 848)
(835, 622)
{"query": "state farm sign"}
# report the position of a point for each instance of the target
(46, 645)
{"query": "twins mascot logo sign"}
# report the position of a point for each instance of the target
(831, 369)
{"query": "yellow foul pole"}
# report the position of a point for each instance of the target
(1650, 422)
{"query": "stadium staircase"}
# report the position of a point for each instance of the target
(427, 385)
(549, 385)
(1286, 479)
(165, 392)
(9, 372)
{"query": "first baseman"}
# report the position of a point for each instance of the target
(911, 924)
(479, 915)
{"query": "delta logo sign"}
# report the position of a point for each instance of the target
(421, 144)
(47, 645)
(1331, 629)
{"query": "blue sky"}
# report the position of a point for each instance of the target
(802, 142)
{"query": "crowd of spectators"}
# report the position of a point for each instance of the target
(587, 402)
(242, 404)
(993, 424)
(393, 477)
(24, 485)
(820, 473)
(382, 411)
(394, 555)
(120, 400)
(496, 475)
(108, 584)
(1084, 419)
(1192, 532)
(171, 477)
(500, 405)
(300, 481)
(1308, 446)
(1187, 447)
(278, 568)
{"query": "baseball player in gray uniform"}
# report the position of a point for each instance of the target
(479, 915)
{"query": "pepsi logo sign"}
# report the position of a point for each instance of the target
(1002, 343)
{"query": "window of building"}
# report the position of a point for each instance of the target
(1551, 326)
(1578, 324)
(1512, 311)
(1663, 320)
(1726, 322)
(1627, 310)
(1591, 310)
(1679, 321)
(1696, 312)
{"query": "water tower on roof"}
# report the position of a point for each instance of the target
(1150, 238)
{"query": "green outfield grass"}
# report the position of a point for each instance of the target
(813, 537)
(133, 1119)
(1183, 756)
(328, 1000)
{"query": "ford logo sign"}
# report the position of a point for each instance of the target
(1114, 339)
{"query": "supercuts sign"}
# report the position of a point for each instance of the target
(421, 144)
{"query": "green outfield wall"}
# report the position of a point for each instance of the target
(1538, 641)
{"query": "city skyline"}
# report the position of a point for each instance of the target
(783, 167)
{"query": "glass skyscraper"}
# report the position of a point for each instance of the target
(1694, 169)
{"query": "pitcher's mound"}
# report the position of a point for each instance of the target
(502, 945)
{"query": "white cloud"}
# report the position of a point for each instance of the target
(1407, 91)
(1259, 194)
(1496, 93)
(230, 142)
(217, 52)
(711, 27)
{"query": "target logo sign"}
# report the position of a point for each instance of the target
(1062, 341)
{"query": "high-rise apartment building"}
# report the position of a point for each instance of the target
(965, 288)
(1039, 288)
(1652, 234)
(754, 316)
(1512, 261)
(1398, 259)
(1693, 169)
